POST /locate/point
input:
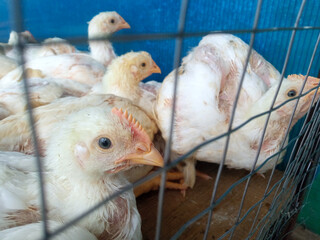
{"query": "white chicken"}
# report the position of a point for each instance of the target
(51, 46)
(34, 231)
(102, 25)
(41, 93)
(84, 163)
(77, 67)
(209, 78)
(9, 50)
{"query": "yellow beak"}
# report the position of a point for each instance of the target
(123, 24)
(155, 68)
(150, 156)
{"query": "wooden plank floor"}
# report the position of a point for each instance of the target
(178, 209)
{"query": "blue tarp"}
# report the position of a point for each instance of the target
(69, 19)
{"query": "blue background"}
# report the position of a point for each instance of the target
(65, 19)
(69, 19)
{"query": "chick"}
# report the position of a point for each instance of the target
(123, 78)
(102, 25)
(209, 78)
(84, 163)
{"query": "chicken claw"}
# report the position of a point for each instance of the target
(154, 183)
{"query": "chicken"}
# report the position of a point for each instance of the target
(42, 93)
(26, 37)
(123, 79)
(242, 155)
(34, 231)
(208, 81)
(51, 46)
(84, 163)
(4, 112)
(8, 48)
(67, 86)
(102, 25)
(74, 66)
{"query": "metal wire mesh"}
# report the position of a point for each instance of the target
(288, 191)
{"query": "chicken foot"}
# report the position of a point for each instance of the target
(154, 183)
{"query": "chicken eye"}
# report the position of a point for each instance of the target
(143, 64)
(112, 21)
(104, 143)
(292, 93)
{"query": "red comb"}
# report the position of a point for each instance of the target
(138, 131)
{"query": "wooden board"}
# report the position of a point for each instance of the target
(178, 209)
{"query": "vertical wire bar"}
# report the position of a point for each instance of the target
(289, 170)
(314, 176)
(287, 173)
(177, 56)
(273, 169)
(255, 24)
(268, 213)
(274, 99)
(265, 128)
(307, 151)
(16, 11)
(303, 175)
(291, 198)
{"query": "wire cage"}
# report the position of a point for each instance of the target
(235, 204)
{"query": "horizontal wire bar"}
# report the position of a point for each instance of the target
(174, 35)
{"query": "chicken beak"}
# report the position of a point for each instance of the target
(144, 155)
(123, 24)
(155, 68)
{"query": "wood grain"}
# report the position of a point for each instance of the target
(178, 209)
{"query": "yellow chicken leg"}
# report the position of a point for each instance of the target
(154, 184)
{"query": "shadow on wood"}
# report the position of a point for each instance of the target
(177, 209)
